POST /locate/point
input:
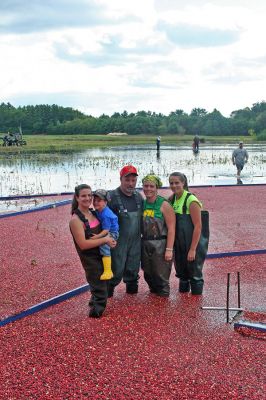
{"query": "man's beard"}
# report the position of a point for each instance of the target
(130, 190)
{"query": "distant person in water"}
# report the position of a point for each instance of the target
(158, 143)
(195, 144)
(239, 158)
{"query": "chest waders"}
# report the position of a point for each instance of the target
(190, 273)
(156, 269)
(91, 261)
(126, 254)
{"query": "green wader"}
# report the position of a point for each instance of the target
(126, 254)
(156, 269)
(189, 273)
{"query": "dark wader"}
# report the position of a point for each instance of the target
(156, 270)
(190, 273)
(126, 254)
(91, 261)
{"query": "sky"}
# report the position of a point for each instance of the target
(107, 56)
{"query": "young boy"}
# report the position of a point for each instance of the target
(109, 222)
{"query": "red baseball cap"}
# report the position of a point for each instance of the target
(128, 170)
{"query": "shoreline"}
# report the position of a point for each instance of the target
(74, 143)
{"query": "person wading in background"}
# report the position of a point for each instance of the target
(195, 144)
(158, 143)
(239, 158)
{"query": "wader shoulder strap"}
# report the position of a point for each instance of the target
(120, 204)
(137, 200)
(119, 201)
(88, 231)
(93, 212)
(184, 208)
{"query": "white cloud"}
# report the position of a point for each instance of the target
(102, 56)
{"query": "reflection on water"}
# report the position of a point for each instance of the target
(31, 174)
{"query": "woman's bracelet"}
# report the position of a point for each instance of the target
(168, 248)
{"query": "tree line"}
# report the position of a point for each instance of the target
(54, 120)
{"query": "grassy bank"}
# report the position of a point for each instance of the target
(73, 143)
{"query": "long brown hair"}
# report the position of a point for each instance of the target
(182, 178)
(78, 189)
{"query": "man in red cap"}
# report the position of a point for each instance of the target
(127, 204)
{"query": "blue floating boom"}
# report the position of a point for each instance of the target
(45, 304)
(259, 326)
(40, 208)
(30, 196)
(236, 253)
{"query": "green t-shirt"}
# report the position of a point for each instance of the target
(178, 203)
(153, 209)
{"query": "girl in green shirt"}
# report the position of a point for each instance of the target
(190, 245)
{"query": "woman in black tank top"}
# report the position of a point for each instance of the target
(83, 225)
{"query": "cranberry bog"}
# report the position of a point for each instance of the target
(144, 347)
(32, 173)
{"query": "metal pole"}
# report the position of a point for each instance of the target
(227, 297)
(238, 289)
